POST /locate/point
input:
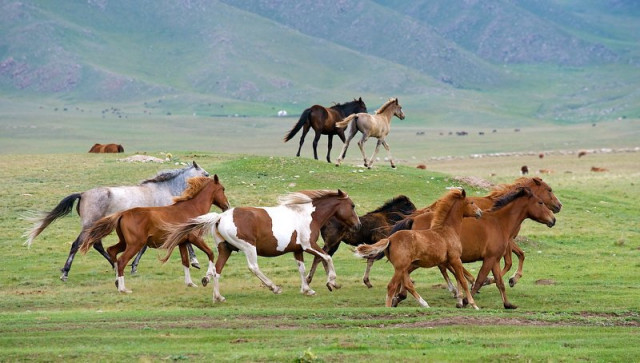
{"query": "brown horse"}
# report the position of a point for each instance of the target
(377, 125)
(142, 226)
(375, 225)
(488, 238)
(106, 148)
(292, 226)
(323, 121)
(409, 250)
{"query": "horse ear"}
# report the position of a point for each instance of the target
(215, 178)
(195, 165)
(341, 194)
(464, 194)
(537, 180)
(360, 99)
(396, 101)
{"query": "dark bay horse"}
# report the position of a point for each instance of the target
(144, 226)
(408, 250)
(292, 226)
(98, 202)
(323, 121)
(377, 125)
(374, 226)
(106, 148)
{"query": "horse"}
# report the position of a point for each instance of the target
(408, 250)
(377, 125)
(488, 238)
(292, 226)
(323, 121)
(374, 226)
(99, 202)
(144, 226)
(106, 148)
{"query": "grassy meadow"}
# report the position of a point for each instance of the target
(578, 299)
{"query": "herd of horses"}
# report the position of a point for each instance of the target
(171, 210)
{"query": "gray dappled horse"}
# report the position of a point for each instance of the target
(102, 201)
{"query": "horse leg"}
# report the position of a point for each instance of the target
(329, 146)
(330, 247)
(199, 242)
(513, 280)
(367, 271)
(393, 288)
(134, 265)
(343, 153)
(128, 252)
(315, 250)
(452, 289)
(386, 146)
(223, 255)
(487, 264)
(408, 285)
(361, 146)
(456, 264)
(72, 253)
(305, 129)
(500, 284)
(304, 288)
(192, 257)
(252, 262)
(184, 257)
(316, 138)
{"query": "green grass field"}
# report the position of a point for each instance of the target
(578, 299)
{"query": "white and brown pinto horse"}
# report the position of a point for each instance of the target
(377, 125)
(292, 226)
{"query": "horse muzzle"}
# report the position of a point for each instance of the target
(552, 222)
(478, 214)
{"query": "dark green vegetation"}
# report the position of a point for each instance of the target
(578, 299)
(453, 62)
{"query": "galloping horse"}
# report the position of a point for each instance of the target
(409, 250)
(323, 121)
(137, 227)
(106, 148)
(98, 202)
(377, 125)
(375, 225)
(488, 239)
(292, 226)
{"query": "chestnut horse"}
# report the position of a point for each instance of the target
(142, 226)
(375, 225)
(323, 121)
(292, 226)
(106, 148)
(408, 250)
(377, 125)
(488, 239)
(96, 203)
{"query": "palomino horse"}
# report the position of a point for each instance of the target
(377, 125)
(292, 226)
(487, 239)
(409, 250)
(98, 202)
(137, 227)
(106, 148)
(375, 225)
(323, 121)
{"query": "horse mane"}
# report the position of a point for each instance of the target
(501, 190)
(165, 175)
(388, 205)
(385, 106)
(194, 186)
(306, 196)
(442, 208)
(510, 197)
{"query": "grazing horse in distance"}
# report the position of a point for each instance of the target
(144, 226)
(377, 125)
(96, 203)
(323, 121)
(408, 250)
(293, 226)
(106, 148)
(375, 225)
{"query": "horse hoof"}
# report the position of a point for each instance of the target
(195, 265)
(329, 286)
(116, 282)
(126, 291)
(64, 278)
(309, 292)
(134, 271)
(277, 290)
(510, 306)
(512, 282)
(394, 302)
(205, 280)
(191, 284)
(366, 282)
(219, 299)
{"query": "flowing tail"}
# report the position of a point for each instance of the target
(372, 251)
(99, 230)
(346, 120)
(177, 233)
(304, 118)
(43, 220)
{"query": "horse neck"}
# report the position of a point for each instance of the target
(201, 202)
(388, 114)
(513, 214)
(324, 209)
(453, 218)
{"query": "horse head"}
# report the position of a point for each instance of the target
(544, 191)
(197, 170)
(539, 212)
(346, 210)
(219, 198)
(470, 207)
(398, 110)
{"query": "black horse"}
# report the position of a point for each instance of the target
(323, 120)
(375, 225)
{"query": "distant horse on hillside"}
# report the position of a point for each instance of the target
(106, 148)
(377, 125)
(323, 121)
(98, 202)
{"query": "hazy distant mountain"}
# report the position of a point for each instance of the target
(296, 52)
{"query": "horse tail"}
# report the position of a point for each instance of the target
(346, 120)
(371, 251)
(177, 233)
(406, 223)
(43, 219)
(304, 118)
(99, 230)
